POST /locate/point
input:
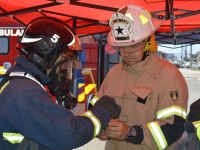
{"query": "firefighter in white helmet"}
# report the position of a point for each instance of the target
(152, 92)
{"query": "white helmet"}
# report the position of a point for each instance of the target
(130, 25)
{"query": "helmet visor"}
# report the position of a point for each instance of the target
(62, 82)
(65, 66)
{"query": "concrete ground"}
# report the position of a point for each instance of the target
(193, 80)
(95, 144)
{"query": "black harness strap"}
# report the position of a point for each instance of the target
(5, 78)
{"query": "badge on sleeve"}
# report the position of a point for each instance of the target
(174, 95)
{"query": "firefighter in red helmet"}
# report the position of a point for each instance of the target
(29, 119)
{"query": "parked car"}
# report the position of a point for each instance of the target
(193, 65)
(186, 65)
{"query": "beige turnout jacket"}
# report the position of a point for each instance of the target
(150, 94)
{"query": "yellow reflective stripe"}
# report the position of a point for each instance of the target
(196, 123)
(95, 121)
(80, 85)
(4, 86)
(143, 19)
(198, 132)
(2, 70)
(157, 135)
(13, 137)
(89, 88)
(94, 100)
(170, 111)
(81, 97)
(197, 126)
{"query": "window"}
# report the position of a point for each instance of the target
(4, 45)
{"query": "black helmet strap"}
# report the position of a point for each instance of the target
(43, 54)
(38, 61)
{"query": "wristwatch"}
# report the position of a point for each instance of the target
(131, 135)
(135, 135)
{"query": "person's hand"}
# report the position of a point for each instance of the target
(117, 129)
(102, 136)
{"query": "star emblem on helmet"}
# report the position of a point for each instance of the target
(119, 30)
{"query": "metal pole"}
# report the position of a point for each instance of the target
(74, 24)
(101, 54)
(181, 57)
(186, 56)
(172, 18)
(190, 56)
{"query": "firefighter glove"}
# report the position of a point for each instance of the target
(109, 105)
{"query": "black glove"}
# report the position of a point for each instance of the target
(109, 105)
(67, 101)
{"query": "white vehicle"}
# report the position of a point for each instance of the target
(186, 65)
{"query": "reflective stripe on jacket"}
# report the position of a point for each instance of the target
(155, 129)
(95, 121)
(197, 126)
(13, 137)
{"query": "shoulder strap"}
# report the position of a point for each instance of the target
(18, 75)
(4, 81)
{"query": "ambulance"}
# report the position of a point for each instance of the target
(8, 40)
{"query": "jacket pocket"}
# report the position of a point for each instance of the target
(143, 100)
(142, 93)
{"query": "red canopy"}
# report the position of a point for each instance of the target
(91, 16)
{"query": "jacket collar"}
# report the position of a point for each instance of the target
(22, 64)
(138, 68)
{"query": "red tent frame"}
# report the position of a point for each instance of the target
(182, 25)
